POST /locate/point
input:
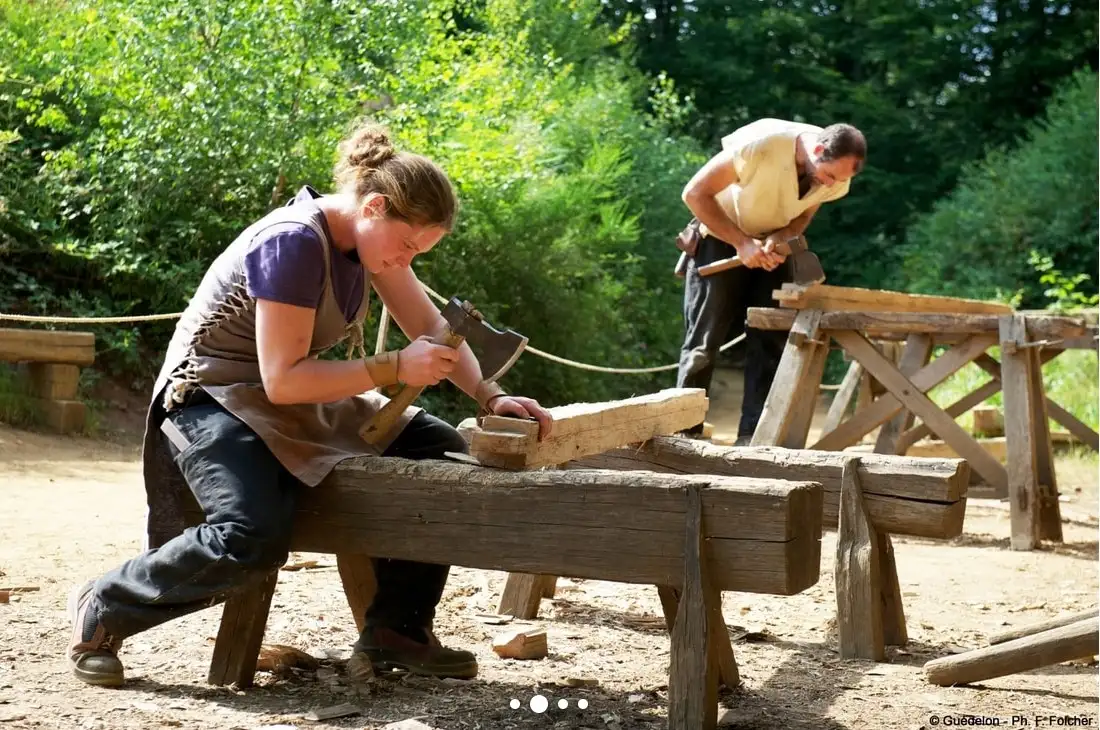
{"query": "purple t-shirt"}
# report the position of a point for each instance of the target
(286, 264)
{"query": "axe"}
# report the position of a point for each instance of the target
(805, 266)
(498, 352)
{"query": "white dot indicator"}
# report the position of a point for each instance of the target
(514, 704)
(562, 704)
(539, 704)
(583, 704)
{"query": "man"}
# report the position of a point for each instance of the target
(762, 189)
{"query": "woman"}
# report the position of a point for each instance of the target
(248, 414)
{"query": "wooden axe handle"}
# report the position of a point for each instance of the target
(721, 265)
(378, 428)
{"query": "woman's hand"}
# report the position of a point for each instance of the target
(520, 407)
(423, 362)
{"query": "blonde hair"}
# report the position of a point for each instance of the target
(416, 189)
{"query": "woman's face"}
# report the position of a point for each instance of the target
(384, 243)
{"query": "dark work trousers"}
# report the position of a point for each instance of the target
(715, 307)
(249, 499)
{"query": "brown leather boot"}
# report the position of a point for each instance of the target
(92, 651)
(388, 649)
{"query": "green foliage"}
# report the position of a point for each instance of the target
(1033, 205)
(139, 137)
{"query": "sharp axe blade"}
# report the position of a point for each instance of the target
(806, 268)
(497, 351)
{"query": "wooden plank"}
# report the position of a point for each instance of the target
(240, 634)
(693, 678)
(1023, 490)
(1050, 516)
(54, 382)
(1038, 628)
(805, 403)
(858, 577)
(904, 495)
(918, 348)
(357, 576)
(728, 674)
(899, 325)
(913, 397)
(522, 595)
(839, 407)
(894, 631)
(68, 348)
(793, 368)
(841, 298)
(1020, 655)
(887, 405)
(764, 535)
(585, 428)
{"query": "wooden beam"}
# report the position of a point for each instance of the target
(899, 325)
(54, 382)
(840, 298)
(858, 576)
(913, 397)
(1070, 422)
(839, 407)
(907, 439)
(522, 595)
(1019, 393)
(806, 396)
(53, 346)
(360, 584)
(599, 524)
(1019, 655)
(918, 348)
(1038, 628)
(795, 367)
(1050, 513)
(693, 678)
(584, 428)
(894, 631)
(240, 634)
(728, 674)
(887, 405)
(904, 495)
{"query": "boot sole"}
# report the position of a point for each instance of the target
(96, 679)
(442, 671)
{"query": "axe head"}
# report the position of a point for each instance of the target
(496, 351)
(806, 267)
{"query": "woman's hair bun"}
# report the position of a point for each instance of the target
(369, 147)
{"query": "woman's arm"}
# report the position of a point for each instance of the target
(417, 316)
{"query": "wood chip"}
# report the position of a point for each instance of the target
(344, 709)
(5, 596)
(525, 644)
(280, 659)
(359, 668)
(494, 619)
(580, 682)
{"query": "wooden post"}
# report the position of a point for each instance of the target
(522, 594)
(809, 390)
(839, 407)
(918, 348)
(894, 631)
(794, 368)
(240, 634)
(360, 585)
(858, 575)
(1050, 513)
(549, 586)
(693, 680)
(1054, 646)
(1019, 396)
(719, 635)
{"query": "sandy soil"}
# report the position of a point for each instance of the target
(71, 508)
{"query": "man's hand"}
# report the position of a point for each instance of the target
(755, 255)
(773, 246)
(520, 407)
(423, 362)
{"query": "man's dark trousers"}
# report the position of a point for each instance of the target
(716, 307)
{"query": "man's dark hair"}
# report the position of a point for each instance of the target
(843, 140)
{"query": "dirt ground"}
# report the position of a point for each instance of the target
(71, 508)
